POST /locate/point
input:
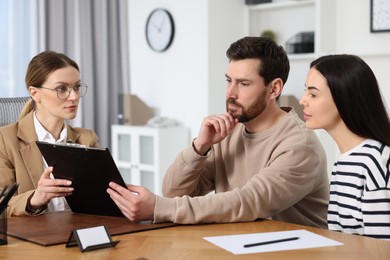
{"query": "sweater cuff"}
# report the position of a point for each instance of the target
(164, 210)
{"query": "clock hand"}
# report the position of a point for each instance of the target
(162, 22)
(157, 27)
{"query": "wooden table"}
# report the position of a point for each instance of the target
(186, 242)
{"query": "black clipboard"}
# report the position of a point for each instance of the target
(90, 169)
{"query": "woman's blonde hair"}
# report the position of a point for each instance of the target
(38, 70)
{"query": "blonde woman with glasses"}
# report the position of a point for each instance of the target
(53, 82)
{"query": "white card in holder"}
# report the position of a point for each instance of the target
(91, 238)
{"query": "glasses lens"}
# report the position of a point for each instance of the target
(82, 89)
(64, 91)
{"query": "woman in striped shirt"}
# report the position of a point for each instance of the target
(342, 96)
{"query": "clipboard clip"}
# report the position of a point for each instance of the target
(70, 142)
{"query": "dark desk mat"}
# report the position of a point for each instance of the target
(55, 228)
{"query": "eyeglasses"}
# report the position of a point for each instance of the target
(63, 91)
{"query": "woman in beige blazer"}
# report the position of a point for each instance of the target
(53, 82)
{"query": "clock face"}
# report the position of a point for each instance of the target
(160, 30)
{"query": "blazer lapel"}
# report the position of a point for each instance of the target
(73, 136)
(28, 148)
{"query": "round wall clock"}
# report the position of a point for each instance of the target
(160, 30)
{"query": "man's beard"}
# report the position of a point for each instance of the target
(254, 109)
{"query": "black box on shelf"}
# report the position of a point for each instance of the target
(301, 43)
(255, 2)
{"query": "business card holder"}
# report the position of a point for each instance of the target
(89, 239)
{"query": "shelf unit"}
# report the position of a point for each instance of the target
(143, 154)
(287, 18)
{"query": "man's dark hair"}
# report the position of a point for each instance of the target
(274, 62)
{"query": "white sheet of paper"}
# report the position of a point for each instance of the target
(93, 236)
(235, 243)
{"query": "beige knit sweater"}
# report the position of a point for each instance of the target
(279, 173)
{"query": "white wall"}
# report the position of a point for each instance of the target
(187, 81)
(226, 25)
(353, 36)
(173, 82)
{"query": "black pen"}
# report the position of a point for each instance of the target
(3, 191)
(272, 242)
(7, 197)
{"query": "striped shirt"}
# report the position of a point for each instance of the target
(360, 191)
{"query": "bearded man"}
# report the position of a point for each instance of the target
(256, 161)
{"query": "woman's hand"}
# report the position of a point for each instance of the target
(49, 188)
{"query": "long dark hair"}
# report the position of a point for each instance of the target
(356, 93)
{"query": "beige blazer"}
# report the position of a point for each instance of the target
(22, 162)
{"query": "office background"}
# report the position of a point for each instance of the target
(186, 82)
